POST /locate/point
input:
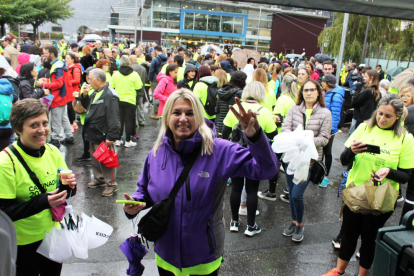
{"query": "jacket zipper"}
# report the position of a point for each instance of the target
(210, 239)
(187, 188)
(99, 129)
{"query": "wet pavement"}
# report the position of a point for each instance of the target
(269, 253)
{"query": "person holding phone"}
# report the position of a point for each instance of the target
(20, 197)
(393, 163)
(193, 243)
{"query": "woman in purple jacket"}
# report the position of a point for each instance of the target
(194, 240)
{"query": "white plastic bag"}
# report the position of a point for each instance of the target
(55, 245)
(298, 148)
(98, 232)
(78, 240)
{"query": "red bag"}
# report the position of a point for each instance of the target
(106, 156)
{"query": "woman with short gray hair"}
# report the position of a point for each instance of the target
(126, 83)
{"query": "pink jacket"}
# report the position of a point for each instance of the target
(163, 90)
(22, 58)
(315, 76)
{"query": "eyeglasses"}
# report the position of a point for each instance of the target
(406, 96)
(309, 90)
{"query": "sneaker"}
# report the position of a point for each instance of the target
(267, 195)
(288, 232)
(281, 168)
(324, 183)
(251, 231)
(110, 190)
(286, 191)
(56, 143)
(118, 143)
(358, 254)
(298, 235)
(72, 128)
(130, 144)
(69, 140)
(284, 198)
(95, 184)
(400, 198)
(336, 243)
(75, 125)
(135, 136)
(243, 212)
(155, 117)
(83, 158)
(234, 226)
(333, 272)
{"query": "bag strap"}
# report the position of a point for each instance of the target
(32, 175)
(183, 176)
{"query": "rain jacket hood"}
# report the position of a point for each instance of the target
(125, 70)
(5, 87)
(164, 76)
(249, 69)
(209, 79)
(226, 66)
(188, 68)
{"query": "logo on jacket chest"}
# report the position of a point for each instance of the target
(204, 174)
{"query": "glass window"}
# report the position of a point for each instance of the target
(173, 16)
(227, 24)
(214, 23)
(159, 15)
(238, 25)
(189, 21)
(265, 24)
(173, 25)
(252, 23)
(200, 22)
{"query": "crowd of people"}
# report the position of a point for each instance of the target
(227, 115)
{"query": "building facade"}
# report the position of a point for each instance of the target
(195, 23)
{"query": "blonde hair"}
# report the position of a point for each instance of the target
(263, 66)
(220, 58)
(290, 86)
(261, 76)
(126, 51)
(124, 61)
(405, 89)
(254, 90)
(205, 132)
(222, 77)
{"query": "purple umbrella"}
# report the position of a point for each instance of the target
(134, 251)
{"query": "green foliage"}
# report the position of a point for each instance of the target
(404, 49)
(381, 31)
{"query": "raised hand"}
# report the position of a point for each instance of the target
(132, 209)
(248, 120)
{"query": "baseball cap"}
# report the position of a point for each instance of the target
(329, 78)
(6, 38)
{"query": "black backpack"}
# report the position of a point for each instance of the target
(160, 65)
(212, 95)
(237, 135)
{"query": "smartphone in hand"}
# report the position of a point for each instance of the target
(373, 149)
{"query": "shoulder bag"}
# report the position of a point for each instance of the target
(154, 224)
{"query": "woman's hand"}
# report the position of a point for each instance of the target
(381, 173)
(46, 91)
(39, 83)
(358, 147)
(132, 209)
(72, 181)
(276, 119)
(55, 198)
(247, 120)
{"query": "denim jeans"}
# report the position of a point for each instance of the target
(296, 202)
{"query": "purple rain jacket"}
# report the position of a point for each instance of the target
(195, 232)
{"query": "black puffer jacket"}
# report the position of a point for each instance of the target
(185, 83)
(226, 96)
(364, 104)
(27, 89)
(102, 120)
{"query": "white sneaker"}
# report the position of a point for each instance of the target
(281, 168)
(243, 212)
(130, 144)
(118, 143)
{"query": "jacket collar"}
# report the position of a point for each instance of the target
(302, 107)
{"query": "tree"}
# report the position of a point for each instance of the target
(404, 49)
(8, 14)
(382, 31)
(43, 11)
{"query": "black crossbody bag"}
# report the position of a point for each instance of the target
(154, 224)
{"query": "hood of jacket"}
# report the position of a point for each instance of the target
(163, 57)
(164, 76)
(338, 89)
(192, 61)
(125, 70)
(318, 71)
(226, 66)
(209, 79)
(227, 91)
(23, 58)
(76, 65)
(189, 68)
(6, 87)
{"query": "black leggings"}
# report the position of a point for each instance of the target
(86, 152)
(164, 272)
(31, 263)
(71, 113)
(252, 186)
(127, 116)
(327, 153)
(273, 181)
(366, 226)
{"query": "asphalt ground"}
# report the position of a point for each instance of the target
(269, 253)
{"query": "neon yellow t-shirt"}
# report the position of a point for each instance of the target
(196, 56)
(396, 152)
(140, 59)
(200, 90)
(270, 99)
(108, 77)
(228, 77)
(126, 86)
(164, 68)
(283, 104)
(271, 85)
(264, 118)
(16, 184)
(308, 114)
(180, 74)
(82, 116)
(202, 269)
